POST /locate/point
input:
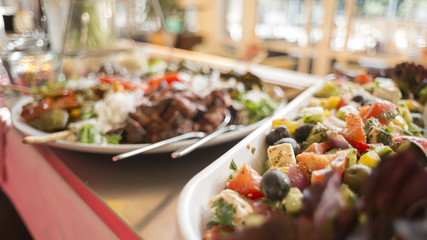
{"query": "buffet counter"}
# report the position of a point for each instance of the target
(63, 194)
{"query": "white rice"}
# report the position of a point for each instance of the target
(113, 110)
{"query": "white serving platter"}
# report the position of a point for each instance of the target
(192, 210)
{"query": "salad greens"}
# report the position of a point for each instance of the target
(224, 214)
(258, 110)
(88, 134)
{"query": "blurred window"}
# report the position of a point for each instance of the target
(233, 19)
(288, 20)
(381, 26)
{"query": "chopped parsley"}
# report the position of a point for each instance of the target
(257, 110)
(387, 115)
(371, 124)
(233, 165)
(224, 214)
(86, 114)
(88, 134)
(384, 136)
(415, 130)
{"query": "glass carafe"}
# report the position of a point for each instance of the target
(94, 35)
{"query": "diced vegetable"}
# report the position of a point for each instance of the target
(329, 89)
(363, 78)
(422, 141)
(309, 162)
(291, 125)
(293, 201)
(298, 179)
(381, 107)
(345, 110)
(370, 159)
(355, 128)
(336, 140)
(319, 148)
(313, 114)
(352, 157)
(246, 182)
(317, 134)
(359, 145)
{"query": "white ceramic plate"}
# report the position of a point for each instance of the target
(22, 126)
(193, 211)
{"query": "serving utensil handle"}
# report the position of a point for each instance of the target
(159, 144)
(186, 150)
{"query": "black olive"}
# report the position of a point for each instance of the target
(276, 134)
(291, 141)
(418, 119)
(359, 98)
(275, 185)
(302, 131)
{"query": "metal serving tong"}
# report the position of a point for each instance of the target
(184, 136)
(186, 150)
(221, 129)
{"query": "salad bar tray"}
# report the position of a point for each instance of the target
(193, 211)
(328, 157)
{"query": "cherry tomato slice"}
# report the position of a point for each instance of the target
(247, 182)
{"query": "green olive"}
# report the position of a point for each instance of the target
(355, 175)
(55, 119)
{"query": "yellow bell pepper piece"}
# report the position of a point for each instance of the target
(399, 121)
(291, 125)
(331, 103)
(75, 113)
(370, 159)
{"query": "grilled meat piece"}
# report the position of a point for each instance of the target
(172, 111)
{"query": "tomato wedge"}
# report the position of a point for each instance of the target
(420, 140)
(319, 175)
(247, 182)
(319, 148)
(340, 162)
(344, 100)
(129, 85)
(167, 77)
(377, 108)
(363, 78)
(309, 162)
(338, 165)
(355, 128)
